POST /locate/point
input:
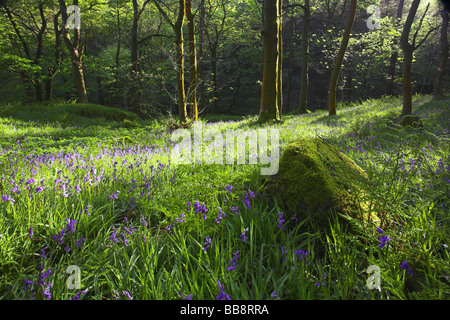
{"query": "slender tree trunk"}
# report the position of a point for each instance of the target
(291, 64)
(213, 50)
(408, 50)
(76, 53)
(280, 59)
(340, 58)
(200, 64)
(179, 42)
(269, 108)
(53, 70)
(394, 56)
(305, 58)
(135, 83)
(113, 93)
(192, 92)
(438, 90)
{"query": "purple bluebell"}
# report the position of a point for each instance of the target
(384, 240)
(222, 295)
(404, 265)
(234, 261)
(207, 243)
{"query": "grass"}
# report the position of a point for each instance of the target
(137, 233)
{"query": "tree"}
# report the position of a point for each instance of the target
(394, 56)
(408, 51)
(36, 74)
(270, 108)
(135, 89)
(305, 58)
(179, 43)
(76, 50)
(192, 91)
(438, 89)
(340, 58)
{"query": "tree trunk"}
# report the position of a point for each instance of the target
(394, 56)
(135, 87)
(339, 59)
(305, 58)
(408, 50)
(113, 93)
(280, 59)
(178, 27)
(192, 92)
(213, 50)
(53, 70)
(438, 90)
(269, 108)
(200, 69)
(76, 53)
(289, 87)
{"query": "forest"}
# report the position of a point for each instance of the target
(353, 95)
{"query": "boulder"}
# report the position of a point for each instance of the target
(315, 179)
(409, 120)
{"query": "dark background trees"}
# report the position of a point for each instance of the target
(127, 53)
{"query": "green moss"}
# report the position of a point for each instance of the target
(410, 120)
(313, 179)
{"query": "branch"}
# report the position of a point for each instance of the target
(425, 38)
(420, 26)
(164, 14)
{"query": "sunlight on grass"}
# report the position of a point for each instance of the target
(103, 196)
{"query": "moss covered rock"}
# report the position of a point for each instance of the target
(410, 120)
(315, 179)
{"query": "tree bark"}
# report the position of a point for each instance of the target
(438, 90)
(213, 50)
(179, 60)
(192, 92)
(200, 64)
(269, 108)
(76, 53)
(179, 42)
(280, 59)
(305, 58)
(340, 58)
(53, 70)
(135, 90)
(394, 56)
(290, 81)
(408, 50)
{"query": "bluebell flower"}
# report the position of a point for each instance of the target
(384, 240)
(80, 242)
(302, 255)
(127, 294)
(220, 216)
(143, 222)
(222, 295)
(280, 221)
(243, 236)
(404, 265)
(77, 296)
(207, 243)
(234, 261)
(283, 251)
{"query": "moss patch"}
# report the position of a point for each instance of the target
(314, 179)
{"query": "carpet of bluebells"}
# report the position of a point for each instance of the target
(105, 198)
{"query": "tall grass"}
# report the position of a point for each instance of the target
(102, 195)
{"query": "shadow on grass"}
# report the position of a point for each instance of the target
(65, 114)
